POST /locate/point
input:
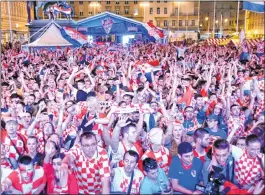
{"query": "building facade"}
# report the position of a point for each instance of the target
(14, 26)
(225, 20)
(254, 24)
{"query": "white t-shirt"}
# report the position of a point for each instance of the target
(121, 181)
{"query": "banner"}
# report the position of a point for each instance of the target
(254, 6)
(107, 24)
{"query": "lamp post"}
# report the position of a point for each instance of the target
(178, 15)
(10, 23)
(94, 4)
(207, 19)
(144, 5)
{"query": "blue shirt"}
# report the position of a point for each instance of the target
(187, 178)
(221, 133)
(148, 186)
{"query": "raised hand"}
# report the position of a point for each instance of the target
(122, 121)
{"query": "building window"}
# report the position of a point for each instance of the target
(173, 22)
(158, 23)
(90, 13)
(158, 1)
(72, 2)
(117, 2)
(193, 23)
(165, 22)
(126, 2)
(126, 11)
(135, 12)
(117, 11)
(81, 13)
(165, 1)
(151, 1)
(151, 10)
(135, 2)
(151, 21)
(180, 22)
(186, 23)
(165, 10)
(81, 2)
(158, 10)
(108, 2)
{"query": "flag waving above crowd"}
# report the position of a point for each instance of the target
(254, 6)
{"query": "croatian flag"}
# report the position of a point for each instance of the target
(154, 31)
(254, 6)
(74, 34)
(66, 11)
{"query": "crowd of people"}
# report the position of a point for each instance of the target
(144, 118)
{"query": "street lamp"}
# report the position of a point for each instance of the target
(207, 19)
(94, 4)
(226, 20)
(144, 4)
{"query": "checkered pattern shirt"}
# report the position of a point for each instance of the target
(238, 123)
(70, 130)
(248, 170)
(121, 181)
(162, 157)
(10, 149)
(28, 188)
(89, 172)
(259, 109)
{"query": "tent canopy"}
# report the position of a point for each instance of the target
(52, 37)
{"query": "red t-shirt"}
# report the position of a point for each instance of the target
(70, 188)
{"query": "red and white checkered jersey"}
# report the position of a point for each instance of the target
(248, 170)
(259, 109)
(260, 47)
(30, 187)
(10, 149)
(121, 181)
(162, 158)
(70, 130)
(238, 123)
(122, 149)
(89, 172)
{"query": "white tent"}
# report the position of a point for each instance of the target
(52, 37)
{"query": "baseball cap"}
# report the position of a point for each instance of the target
(212, 117)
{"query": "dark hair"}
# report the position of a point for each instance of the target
(233, 106)
(198, 96)
(126, 128)
(25, 160)
(221, 144)
(149, 163)
(252, 138)
(199, 133)
(121, 102)
(58, 155)
(188, 107)
(32, 137)
(87, 135)
(132, 153)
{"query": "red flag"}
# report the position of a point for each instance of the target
(58, 47)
